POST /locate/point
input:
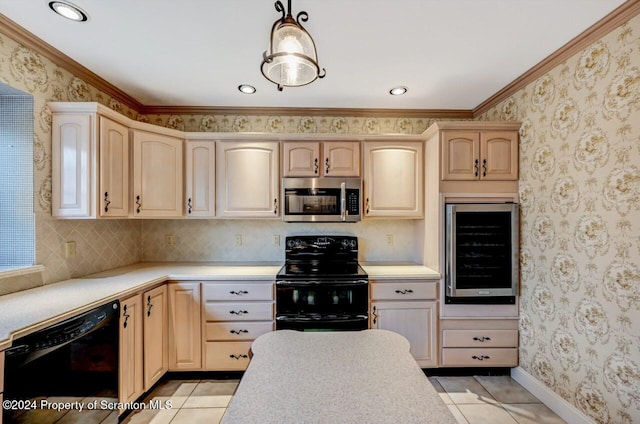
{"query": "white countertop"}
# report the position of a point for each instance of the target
(27, 311)
(337, 377)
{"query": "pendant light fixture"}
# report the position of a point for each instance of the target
(291, 60)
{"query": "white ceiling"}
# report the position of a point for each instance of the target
(451, 54)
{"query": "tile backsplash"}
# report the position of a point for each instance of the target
(215, 240)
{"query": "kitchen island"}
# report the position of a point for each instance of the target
(335, 377)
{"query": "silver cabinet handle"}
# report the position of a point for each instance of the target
(238, 312)
(189, 205)
(238, 332)
(239, 293)
(275, 206)
(408, 291)
(139, 203)
(482, 339)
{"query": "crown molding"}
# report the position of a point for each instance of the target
(309, 111)
(613, 20)
(27, 39)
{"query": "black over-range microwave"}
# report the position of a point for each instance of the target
(321, 199)
(482, 253)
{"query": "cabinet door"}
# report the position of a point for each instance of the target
(247, 178)
(131, 384)
(414, 320)
(114, 169)
(156, 352)
(393, 179)
(341, 158)
(301, 159)
(200, 179)
(185, 332)
(499, 155)
(460, 155)
(73, 147)
(157, 176)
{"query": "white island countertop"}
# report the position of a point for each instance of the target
(27, 311)
(336, 377)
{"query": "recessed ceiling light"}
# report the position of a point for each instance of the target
(69, 11)
(398, 91)
(247, 89)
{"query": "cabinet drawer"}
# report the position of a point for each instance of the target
(238, 311)
(479, 357)
(236, 330)
(226, 356)
(480, 338)
(404, 291)
(239, 291)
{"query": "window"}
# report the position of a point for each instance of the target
(17, 238)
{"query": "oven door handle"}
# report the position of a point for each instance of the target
(357, 318)
(311, 282)
(343, 201)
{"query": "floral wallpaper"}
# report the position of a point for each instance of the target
(580, 226)
(100, 245)
(290, 124)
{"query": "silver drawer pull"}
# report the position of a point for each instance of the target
(404, 291)
(238, 312)
(239, 293)
(481, 357)
(236, 357)
(238, 331)
(482, 339)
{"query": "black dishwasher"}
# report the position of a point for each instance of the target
(70, 361)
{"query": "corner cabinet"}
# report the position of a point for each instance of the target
(185, 341)
(316, 159)
(247, 179)
(157, 175)
(393, 182)
(409, 308)
(89, 164)
(200, 179)
(130, 379)
(155, 335)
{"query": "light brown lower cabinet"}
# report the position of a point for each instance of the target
(155, 335)
(410, 308)
(479, 342)
(233, 315)
(185, 334)
(130, 379)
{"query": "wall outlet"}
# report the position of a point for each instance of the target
(276, 240)
(170, 240)
(238, 239)
(389, 239)
(69, 249)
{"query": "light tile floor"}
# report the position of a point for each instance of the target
(472, 400)
(492, 400)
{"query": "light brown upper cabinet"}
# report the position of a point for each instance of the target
(247, 179)
(393, 181)
(479, 155)
(321, 159)
(157, 175)
(90, 165)
(200, 179)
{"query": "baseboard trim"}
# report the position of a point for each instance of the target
(551, 399)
